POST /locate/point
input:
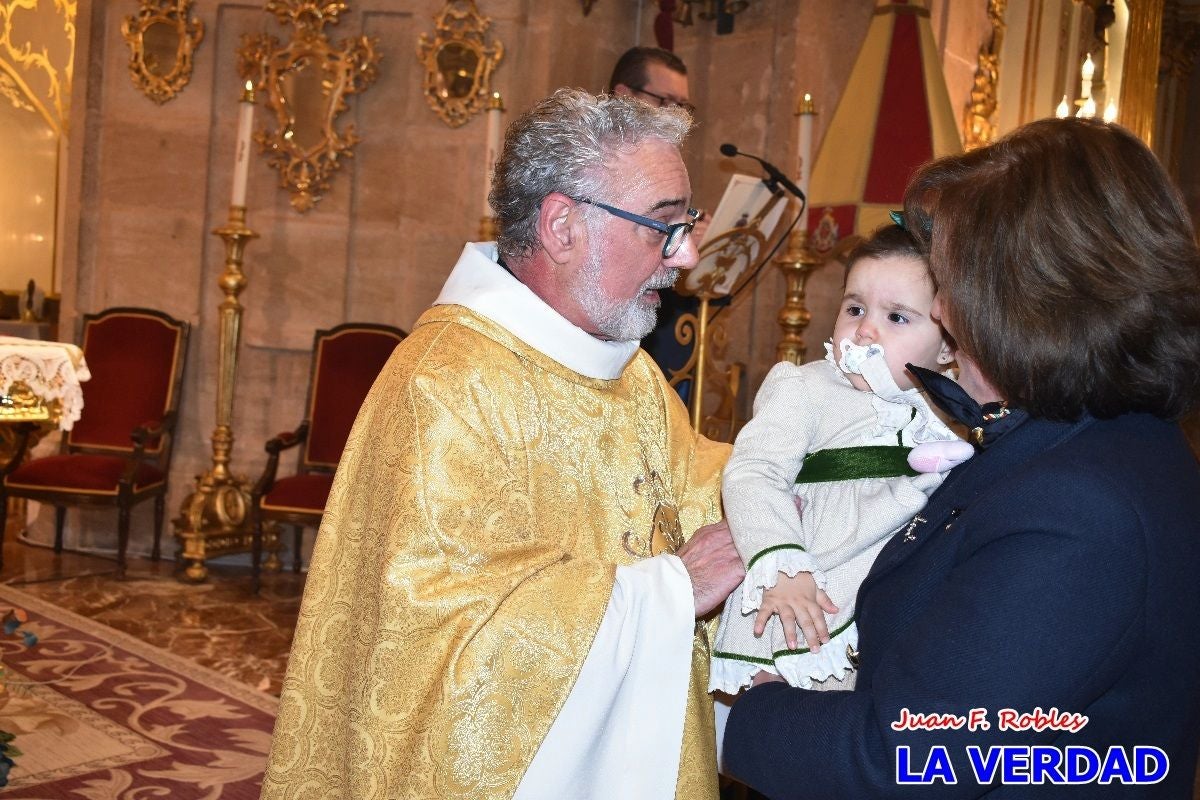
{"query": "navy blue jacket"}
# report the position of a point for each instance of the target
(1059, 568)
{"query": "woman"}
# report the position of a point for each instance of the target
(1055, 576)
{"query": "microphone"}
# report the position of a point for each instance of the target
(776, 175)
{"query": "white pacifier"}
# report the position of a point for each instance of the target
(854, 356)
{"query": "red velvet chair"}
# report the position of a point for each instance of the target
(119, 451)
(346, 361)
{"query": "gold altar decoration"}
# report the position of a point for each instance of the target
(796, 263)
(458, 61)
(214, 519)
(979, 127)
(730, 256)
(1139, 85)
(38, 79)
(162, 39)
(20, 404)
(306, 82)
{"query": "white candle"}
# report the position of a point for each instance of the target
(241, 161)
(1110, 111)
(804, 151)
(1064, 109)
(495, 109)
(1086, 73)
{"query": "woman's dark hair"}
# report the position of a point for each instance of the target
(1068, 269)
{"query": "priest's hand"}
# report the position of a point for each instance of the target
(713, 564)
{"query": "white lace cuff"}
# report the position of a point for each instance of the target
(763, 572)
(833, 661)
(730, 675)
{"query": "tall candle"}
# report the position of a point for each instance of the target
(1086, 73)
(494, 110)
(241, 161)
(806, 111)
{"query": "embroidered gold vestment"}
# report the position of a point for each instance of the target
(486, 496)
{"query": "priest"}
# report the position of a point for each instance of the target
(524, 529)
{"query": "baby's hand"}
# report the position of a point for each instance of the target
(799, 603)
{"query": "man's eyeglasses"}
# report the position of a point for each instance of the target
(669, 101)
(675, 231)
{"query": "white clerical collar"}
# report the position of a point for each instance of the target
(480, 284)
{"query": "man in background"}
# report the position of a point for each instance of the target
(656, 76)
(659, 77)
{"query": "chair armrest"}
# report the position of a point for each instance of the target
(149, 429)
(287, 440)
(284, 441)
(141, 435)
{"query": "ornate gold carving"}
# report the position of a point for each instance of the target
(723, 270)
(797, 263)
(213, 519)
(306, 83)
(19, 61)
(20, 404)
(979, 127)
(458, 62)
(729, 257)
(161, 41)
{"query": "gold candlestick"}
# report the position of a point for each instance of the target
(797, 263)
(213, 519)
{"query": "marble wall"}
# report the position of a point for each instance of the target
(146, 185)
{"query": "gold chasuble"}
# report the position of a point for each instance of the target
(486, 496)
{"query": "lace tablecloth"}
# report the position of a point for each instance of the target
(51, 370)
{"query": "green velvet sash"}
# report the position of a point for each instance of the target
(849, 463)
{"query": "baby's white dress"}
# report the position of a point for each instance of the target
(799, 411)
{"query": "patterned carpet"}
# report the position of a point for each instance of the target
(100, 715)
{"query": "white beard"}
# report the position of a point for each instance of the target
(620, 320)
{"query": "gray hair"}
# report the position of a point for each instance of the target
(562, 145)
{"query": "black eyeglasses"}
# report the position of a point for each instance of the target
(669, 101)
(675, 232)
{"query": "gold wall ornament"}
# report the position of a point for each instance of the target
(12, 93)
(979, 127)
(42, 75)
(162, 39)
(305, 83)
(458, 62)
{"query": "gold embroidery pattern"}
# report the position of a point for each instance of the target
(465, 560)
